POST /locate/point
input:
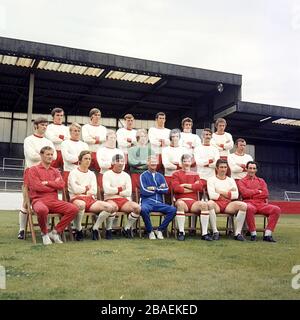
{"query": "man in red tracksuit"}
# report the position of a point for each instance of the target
(44, 181)
(254, 192)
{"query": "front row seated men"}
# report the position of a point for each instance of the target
(153, 185)
(222, 190)
(186, 184)
(254, 192)
(82, 186)
(117, 192)
(44, 181)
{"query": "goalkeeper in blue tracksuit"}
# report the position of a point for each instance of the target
(153, 185)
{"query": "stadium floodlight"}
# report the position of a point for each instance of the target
(220, 87)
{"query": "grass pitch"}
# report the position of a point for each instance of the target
(144, 269)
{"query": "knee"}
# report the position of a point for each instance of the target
(243, 206)
(180, 205)
(203, 206)
(81, 206)
(210, 205)
(42, 211)
(74, 209)
(136, 209)
(108, 207)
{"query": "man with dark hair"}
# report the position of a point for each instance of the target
(206, 156)
(44, 181)
(117, 191)
(153, 185)
(237, 161)
(171, 156)
(32, 146)
(221, 139)
(254, 192)
(159, 136)
(57, 132)
(223, 191)
(188, 140)
(94, 134)
(82, 186)
(186, 185)
(126, 137)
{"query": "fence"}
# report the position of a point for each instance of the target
(292, 195)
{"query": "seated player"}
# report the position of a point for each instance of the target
(44, 181)
(117, 192)
(82, 186)
(223, 191)
(186, 185)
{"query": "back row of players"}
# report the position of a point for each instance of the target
(167, 145)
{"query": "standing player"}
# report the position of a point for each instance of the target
(171, 156)
(117, 191)
(71, 149)
(206, 156)
(138, 157)
(32, 147)
(126, 137)
(159, 136)
(186, 185)
(94, 134)
(221, 139)
(237, 161)
(223, 190)
(57, 132)
(82, 186)
(188, 140)
(255, 193)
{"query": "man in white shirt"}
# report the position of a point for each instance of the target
(206, 156)
(126, 137)
(171, 156)
(159, 136)
(32, 148)
(71, 149)
(106, 153)
(221, 139)
(188, 140)
(224, 193)
(57, 132)
(82, 187)
(237, 161)
(94, 134)
(117, 192)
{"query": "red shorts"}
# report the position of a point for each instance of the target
(25, 177)
(189, 203)
(89, 201)
(222, 204)
(119, 202)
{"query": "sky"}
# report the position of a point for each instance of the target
(259, 39)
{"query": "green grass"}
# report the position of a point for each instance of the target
(144, 269)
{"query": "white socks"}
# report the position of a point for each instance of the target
(103, 215)
(240, 218)
(213, 220)
(110, 220)
(180, 219)
(22, 220)
(268, 233)
(77, 220)
(132, 218)
(204, 223)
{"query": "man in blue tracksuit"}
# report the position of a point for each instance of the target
(152, 186)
